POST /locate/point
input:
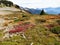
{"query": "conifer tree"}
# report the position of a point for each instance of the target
(42, 12)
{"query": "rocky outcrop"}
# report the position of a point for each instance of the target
(6, 3)
(9, 6)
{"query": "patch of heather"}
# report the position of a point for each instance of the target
(21, 28)
(49, 26)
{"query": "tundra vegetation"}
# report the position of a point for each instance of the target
(22, 28)
(36, 30)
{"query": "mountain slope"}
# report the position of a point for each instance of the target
(33, 11)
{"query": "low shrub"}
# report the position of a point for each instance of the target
(57, 43)
(50, 26)
(58, 21)
(40, 20)
(56, 30)
(23, 15)
(16, 20)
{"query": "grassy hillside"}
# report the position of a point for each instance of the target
(18, 27)
(45, 29)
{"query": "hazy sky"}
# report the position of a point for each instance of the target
(37, 3)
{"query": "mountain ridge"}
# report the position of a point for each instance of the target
(49, 10)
